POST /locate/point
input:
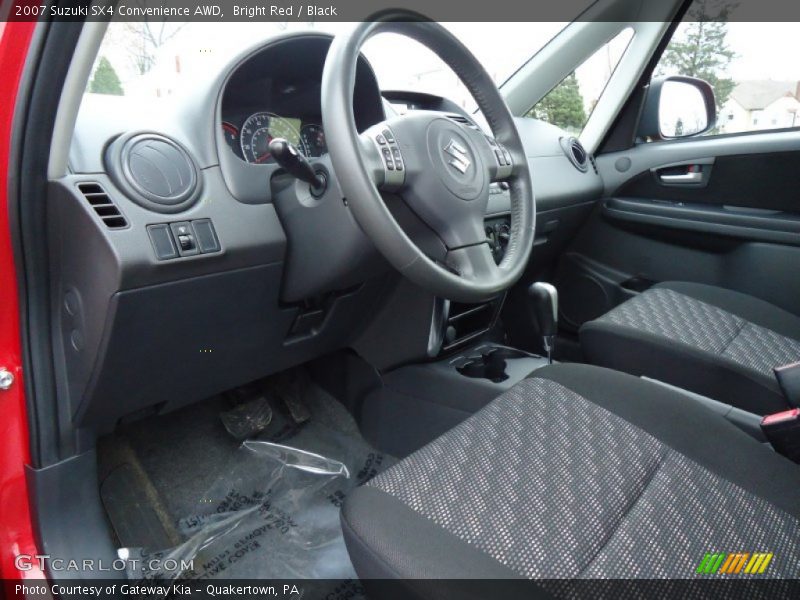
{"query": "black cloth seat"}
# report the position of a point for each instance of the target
(716, 342)
(577, 472)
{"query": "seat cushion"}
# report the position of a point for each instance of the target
(577, 472)
(713, 341)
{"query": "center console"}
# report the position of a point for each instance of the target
(417, 403)
(454, 325)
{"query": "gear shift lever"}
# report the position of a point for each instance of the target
(544, 306)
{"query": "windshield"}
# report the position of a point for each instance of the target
(156, 60)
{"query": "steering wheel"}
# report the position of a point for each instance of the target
(441, 165)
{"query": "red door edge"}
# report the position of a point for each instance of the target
(16, 528)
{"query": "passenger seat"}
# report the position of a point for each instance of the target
(710, 340)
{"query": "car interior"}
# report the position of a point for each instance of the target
(297, 325)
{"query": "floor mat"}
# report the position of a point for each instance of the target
(265, 508)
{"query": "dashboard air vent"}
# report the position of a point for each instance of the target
(576, 153)
(463, 120)
(102, 204)
(154, 171)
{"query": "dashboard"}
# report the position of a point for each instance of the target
(179, 218)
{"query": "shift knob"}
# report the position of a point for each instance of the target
(544, 307)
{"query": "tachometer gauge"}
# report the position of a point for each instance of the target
(313, 137)
(231, 134)
(260, 129)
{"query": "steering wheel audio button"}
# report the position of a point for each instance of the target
(387, 158)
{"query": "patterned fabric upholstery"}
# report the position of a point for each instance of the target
(762, 350)
(554, 486)
(685, 320)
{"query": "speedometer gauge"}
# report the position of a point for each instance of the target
(260, 129)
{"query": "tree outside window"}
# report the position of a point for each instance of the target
(563, 106)
(105, 79)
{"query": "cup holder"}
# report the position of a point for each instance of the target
(490, 365)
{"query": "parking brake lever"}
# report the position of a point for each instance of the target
(287, 156)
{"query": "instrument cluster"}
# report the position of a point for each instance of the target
(250, 137)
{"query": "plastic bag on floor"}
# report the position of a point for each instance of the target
(273, 515)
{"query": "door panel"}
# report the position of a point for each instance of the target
(763, 180)
(619, 168)
(738, 222)
(730, 218)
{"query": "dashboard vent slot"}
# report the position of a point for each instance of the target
(103, 206)
(594, 164)
(576, 153)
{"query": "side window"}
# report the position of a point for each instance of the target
(752, 67)
(570, 104)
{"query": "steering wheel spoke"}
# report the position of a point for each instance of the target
(501, 162)
(383, 156)
(474, 263)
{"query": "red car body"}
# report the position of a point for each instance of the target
(16, 532)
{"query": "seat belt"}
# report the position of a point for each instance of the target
(782, 430)
(788, 377)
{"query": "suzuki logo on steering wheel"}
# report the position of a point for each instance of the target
(459, 157)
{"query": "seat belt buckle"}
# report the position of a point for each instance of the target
(788, 377)
(782, 430)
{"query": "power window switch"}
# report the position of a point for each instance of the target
(184, 235)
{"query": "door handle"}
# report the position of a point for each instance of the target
(691, 177)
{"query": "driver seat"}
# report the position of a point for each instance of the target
(578, 472)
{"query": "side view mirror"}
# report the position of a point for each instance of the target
(678, 107)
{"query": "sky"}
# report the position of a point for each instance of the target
(398, 61)
(764, 50)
